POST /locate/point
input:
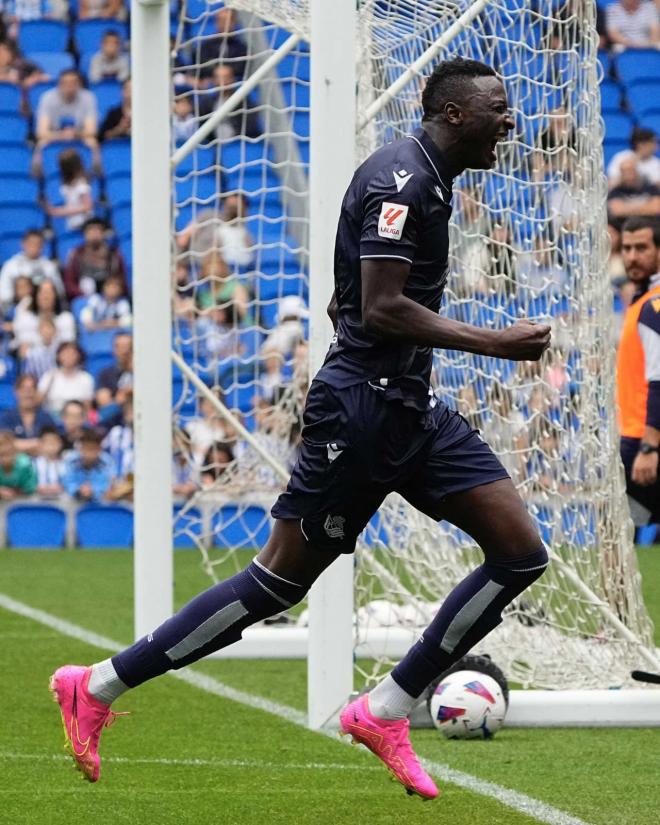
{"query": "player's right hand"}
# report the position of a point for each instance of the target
(524, 341)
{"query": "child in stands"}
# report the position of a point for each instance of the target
(75, 191)
(49, 464)
(109, 310)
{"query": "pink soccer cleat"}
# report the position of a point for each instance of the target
(83, 717)
(390, 742)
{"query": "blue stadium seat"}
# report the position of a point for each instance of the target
(638, 64)
(241, 527)
(652, 122)
(52, 63)
(10, 98)
(238, 152)
(10, 244)
(18, 189)
(610, 96)
(116, 156)
(13, 128)
(294, 65)
(200, 160)
(97, 343)
(50, 155)
(199, 188)
(301, 124)
(35, 92)
(617, 127)
(611, 147)
(16, 158)
(186, 525)
(108, 96)
(118, 189)
(104, 525)
(43, 36)
(121, 221)
(42, 525)
(96, 362)
(7, 397)
(66, 242)
(77, 306)
(296, 95)
(21, 217)
(87, 34)
(644, 98)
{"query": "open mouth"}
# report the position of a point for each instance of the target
(493, 145)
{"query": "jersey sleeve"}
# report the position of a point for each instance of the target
(391, 220)
(648, 327)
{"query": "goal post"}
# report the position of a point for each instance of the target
(151, 199)
(527, 240)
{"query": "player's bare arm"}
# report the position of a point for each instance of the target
(387, 312)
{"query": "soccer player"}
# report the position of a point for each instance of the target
(638, 370)
(372, 426)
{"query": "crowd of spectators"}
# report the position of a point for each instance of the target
(70, 433)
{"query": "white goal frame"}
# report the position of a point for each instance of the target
(328, 643)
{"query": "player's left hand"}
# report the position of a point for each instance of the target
(645, 469)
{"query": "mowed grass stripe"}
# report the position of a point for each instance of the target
(522, 803)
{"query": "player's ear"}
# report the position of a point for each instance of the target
(453, 113)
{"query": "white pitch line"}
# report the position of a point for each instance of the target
(195, 763)
(534, 808)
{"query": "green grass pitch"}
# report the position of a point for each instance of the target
(185, 756)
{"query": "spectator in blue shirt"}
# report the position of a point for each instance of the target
(27, 419)
(88, 470)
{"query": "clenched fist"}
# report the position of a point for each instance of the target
(524, 341)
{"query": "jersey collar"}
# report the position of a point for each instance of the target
(434, 158)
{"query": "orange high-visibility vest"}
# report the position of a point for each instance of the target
(632, 388)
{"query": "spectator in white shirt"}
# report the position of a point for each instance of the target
(644, 144)
(104, 9)
(31, 309)
(184, 123)
(109, 310)
(633, 24)
(110, 62)
(30, 263)
(289, 330)
(78, 206)
(205, 431)
(68, 381)
(225, 232)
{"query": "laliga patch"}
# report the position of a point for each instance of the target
(392, 220)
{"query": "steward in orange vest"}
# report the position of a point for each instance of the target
(638, 370)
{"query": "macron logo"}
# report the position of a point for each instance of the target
(401, 178)
(391, 220)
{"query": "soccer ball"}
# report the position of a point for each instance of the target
(468, 704)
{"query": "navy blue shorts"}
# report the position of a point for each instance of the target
(358, 447)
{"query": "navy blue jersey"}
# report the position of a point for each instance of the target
(397, 206)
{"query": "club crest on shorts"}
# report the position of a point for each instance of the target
(334, 526)
(392, 220)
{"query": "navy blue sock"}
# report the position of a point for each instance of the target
(472, 609)
(212, 620)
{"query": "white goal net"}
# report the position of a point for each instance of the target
(528, 240)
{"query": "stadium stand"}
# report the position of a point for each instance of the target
(630, 96)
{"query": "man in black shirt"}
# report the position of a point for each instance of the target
(371, 426)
